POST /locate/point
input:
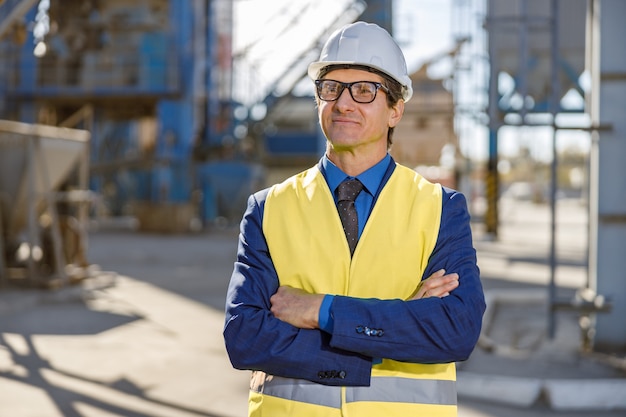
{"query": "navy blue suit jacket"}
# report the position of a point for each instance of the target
(431, 330)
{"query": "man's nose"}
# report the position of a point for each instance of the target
(345, 98)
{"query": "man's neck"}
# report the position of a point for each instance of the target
(353, 162)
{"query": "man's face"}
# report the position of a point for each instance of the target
(349, 125)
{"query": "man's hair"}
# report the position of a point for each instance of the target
(394, 93)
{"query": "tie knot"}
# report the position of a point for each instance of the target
(349, 189)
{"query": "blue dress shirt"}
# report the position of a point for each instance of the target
(371, 180)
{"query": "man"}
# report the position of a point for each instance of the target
(340, 322)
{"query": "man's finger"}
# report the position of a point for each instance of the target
(437, 285)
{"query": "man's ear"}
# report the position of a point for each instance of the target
(396, 113)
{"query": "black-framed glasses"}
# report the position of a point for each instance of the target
(360, 91)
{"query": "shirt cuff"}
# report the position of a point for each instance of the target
(325, 318)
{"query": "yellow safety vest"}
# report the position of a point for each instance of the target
(309, 251)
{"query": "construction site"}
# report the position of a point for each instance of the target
(170, 127)
(158, 118)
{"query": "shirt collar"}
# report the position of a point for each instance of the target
(371, 178)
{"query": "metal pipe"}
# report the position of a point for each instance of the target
(523, 58)
(491, 189)
(554, 109)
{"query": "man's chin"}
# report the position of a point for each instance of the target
(343, 146)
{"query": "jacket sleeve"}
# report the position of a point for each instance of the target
(431, 330)
(256, 340)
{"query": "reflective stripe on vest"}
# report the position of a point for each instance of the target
(297, 390)
(382, 389)
(405, 390)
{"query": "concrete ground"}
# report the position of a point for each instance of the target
(142, 336)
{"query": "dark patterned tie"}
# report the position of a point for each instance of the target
(346, 194)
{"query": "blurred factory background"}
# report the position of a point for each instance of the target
(163, 112)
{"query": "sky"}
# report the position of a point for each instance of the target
(423, 29)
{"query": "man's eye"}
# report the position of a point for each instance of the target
(363, 89)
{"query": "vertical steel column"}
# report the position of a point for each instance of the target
(592, 103)
(608, 176)
(491, 180)
(554, 110)
(522, 80)
(218, 76)
(28, 70)
(176, 115)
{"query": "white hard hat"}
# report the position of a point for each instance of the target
(365, 44)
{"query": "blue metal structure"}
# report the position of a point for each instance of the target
(151, 71)
(151, 80)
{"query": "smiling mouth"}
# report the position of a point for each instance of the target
(345, 121)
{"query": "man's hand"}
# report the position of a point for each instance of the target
(296, 307)
(437, 285)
